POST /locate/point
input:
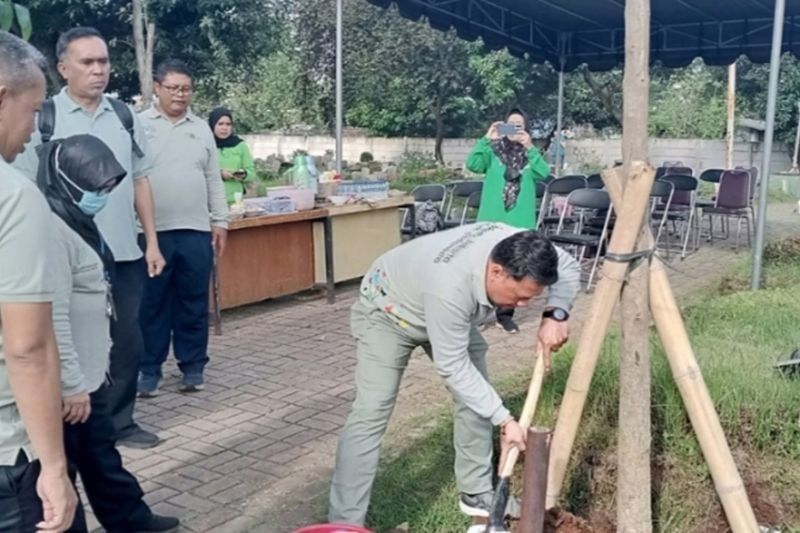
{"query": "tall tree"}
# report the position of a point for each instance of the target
(144, 35)
(634, 512)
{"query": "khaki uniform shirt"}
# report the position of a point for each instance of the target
(185, 177)
(117, 220)
(25, 229)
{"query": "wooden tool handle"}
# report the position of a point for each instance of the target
(534, 389)
(528, 410)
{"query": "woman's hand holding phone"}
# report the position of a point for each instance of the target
(493, 134)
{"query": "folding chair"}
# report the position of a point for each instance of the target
(660, 197)
(676, 170)
(682, 209)
(595, 181)
(754, 185)
(585, 203)
(733, 201)
(709, 175)
(558, 188)
(473, 203)
(461, 191)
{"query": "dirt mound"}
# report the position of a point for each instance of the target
(558, 521)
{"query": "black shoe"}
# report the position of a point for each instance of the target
(139, 438)
(481, 505)
(508, 324)
(189, 388)
(154, 524)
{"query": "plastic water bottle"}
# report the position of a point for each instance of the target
(313, 174)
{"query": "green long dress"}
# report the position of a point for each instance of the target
(483, 160)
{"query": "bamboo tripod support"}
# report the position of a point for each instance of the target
(688, 378)
(699, 406)
(607, 291)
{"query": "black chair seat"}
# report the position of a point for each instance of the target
(580, 240)
(725, 211)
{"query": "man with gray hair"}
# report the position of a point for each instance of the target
(35, 494)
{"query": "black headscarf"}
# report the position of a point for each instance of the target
(91, 165)
(213, 118)
(514, 156)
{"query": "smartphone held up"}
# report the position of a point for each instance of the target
(505, 129)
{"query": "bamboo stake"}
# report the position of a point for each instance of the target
(693, 390)
(689, 379)
(607, 291)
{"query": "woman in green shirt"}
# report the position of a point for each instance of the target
(235, 160)
(512, 165)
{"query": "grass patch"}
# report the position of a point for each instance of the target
(736, 337)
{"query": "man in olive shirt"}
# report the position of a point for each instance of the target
(191, 221)
(82, 107)
(434, 292)
(35, 495)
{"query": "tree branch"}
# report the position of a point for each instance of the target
(606, 99)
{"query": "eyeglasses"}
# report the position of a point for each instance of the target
(177, 89)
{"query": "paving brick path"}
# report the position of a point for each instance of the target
(253, 452)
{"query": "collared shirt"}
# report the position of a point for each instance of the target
(80, 311)
(25, 224)
(186, 181)
(434, 288)
(117, 220)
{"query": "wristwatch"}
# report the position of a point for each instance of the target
(556, 313)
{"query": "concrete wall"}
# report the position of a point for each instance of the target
(581, 154)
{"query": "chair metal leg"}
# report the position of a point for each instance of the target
(747, 221)
(711, 229)
(738, 233)
(688, 233)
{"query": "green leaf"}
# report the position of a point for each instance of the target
(23, 21)
(6, 15)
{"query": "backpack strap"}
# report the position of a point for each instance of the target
(126, 117)
(47, 120)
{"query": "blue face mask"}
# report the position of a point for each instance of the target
(92, 202)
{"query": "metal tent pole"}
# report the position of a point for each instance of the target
(774, 71)
(559, 119)
(339, 102)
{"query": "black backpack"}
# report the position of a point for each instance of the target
(47, 121)
(428, 218)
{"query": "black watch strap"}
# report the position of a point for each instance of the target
(556, 313)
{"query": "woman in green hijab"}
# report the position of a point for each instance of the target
(512, 165)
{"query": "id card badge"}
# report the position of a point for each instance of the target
(111, 310)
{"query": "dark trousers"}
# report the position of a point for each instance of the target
(127, 349)
(175, 306)
(113, 492)
(20, 506)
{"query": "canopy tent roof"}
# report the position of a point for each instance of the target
(573, 32)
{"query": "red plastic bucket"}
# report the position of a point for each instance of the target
(332, 528)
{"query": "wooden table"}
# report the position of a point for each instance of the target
(355, 235)
(270, 256)
(277, 255)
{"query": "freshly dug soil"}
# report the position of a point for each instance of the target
(560, 521)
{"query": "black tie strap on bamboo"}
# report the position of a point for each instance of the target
(632, 258)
